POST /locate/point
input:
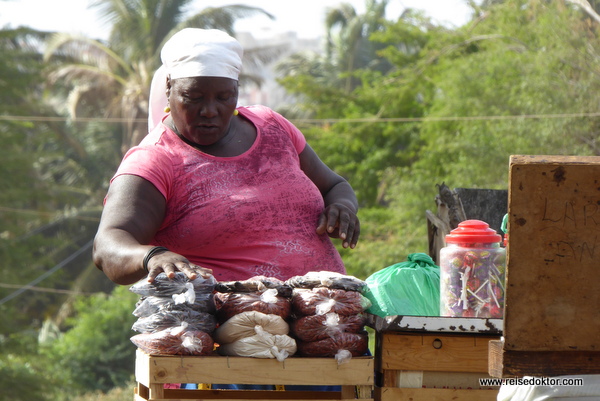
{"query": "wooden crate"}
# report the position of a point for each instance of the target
(414, 363)
(355, 377)
(551, 320)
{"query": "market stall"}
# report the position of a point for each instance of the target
(433, 358)
(486, 304)
(260, 338)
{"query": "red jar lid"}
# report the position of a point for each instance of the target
(473, 231)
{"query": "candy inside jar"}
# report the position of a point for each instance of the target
(472, 272)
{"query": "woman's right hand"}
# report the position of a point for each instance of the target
(171, 262)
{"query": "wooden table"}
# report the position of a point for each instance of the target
(355, 377)
(433, 358)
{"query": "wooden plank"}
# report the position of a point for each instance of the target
(232, 396)
(142, 368)
(495, 358)
(550, 363)
(140, 392)
(432, 352)
(363, 393)
(270, 395)
(421, 379)
(553, 274)
(240, 370)
(389, 378)
(348, 393)
(433, 394)
(489, 205)
(238, 397)
(435, 324)
(505, 363)
(156, 391)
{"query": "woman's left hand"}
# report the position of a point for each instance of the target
(339, 221)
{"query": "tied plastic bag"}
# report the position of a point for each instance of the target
(229, 304)
(179, 287)
(197, 321)
(321, 300)
(175, 341)
(257, 284)
(342, 347)
(318, 327)
(244, 325)
(146, 306)
(326, 279)
(410, 288)
(261, 345)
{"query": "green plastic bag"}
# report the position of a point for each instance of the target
(410, 288)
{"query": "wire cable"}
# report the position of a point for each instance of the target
(323, 120)
(44, 289)
(48, 273)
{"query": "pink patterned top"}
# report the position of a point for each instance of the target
(243, 216)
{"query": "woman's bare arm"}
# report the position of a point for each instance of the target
(133, 213)
(339, 219)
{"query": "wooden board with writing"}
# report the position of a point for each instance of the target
(553, 264)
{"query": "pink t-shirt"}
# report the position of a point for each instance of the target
(243, 216)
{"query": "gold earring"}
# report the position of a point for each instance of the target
(236, 112)
(167, 109)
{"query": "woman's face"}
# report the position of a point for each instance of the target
(202, 107)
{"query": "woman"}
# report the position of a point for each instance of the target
(215, 189)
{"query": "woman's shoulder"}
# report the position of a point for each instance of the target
(256, 111)
(156, 137)
(260, 113)
(263, 116)
(160, 141)
(155, 148)
(151, 160)
(256, 108)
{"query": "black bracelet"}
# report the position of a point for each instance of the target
(151, 252)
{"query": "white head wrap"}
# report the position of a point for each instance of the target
(158, 98)
(193, 52)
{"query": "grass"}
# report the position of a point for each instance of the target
(117, 394)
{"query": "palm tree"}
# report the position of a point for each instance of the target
(348, 44)
(329, 77)
(112, 80)
(326, 81)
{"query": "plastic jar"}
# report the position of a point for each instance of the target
(472, 272)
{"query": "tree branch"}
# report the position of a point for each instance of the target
(585, 4)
